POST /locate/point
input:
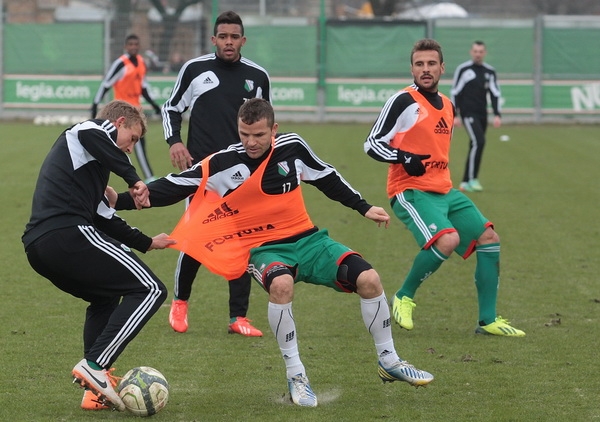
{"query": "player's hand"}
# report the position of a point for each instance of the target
(412, 163)
(457, 121)
(156, 109)
(378, 215)
(180, 156)
(94, 110)
(111, 195)
(161, 241)
(497, 121)
(140, 194)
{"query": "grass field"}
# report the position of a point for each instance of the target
(541, 191)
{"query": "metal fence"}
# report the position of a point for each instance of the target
(322, 68)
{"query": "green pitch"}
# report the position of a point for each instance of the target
(541, 191)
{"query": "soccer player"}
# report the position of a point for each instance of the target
(213, 87)
(127, 75)
(442, 219)
(473, 81)
(258, 181)
(75, 240)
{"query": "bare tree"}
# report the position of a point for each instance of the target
(120, 26)
(383, 7)
(170, 18)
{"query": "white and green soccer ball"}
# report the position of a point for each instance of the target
(144, 390)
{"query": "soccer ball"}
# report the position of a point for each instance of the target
(144, 391)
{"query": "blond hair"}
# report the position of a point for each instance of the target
(119, 108)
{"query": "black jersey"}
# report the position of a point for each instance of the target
(292, 161)
(213, 90)
(470, 87)
(73, 177)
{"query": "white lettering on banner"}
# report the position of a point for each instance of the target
(364, 94)
(36, 92)
(287, 94)
(586, 97)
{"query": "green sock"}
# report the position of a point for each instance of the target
(487, 276)
(94, 365)
(426, 263)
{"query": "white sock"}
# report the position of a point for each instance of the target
(283, 325)
(377, 319)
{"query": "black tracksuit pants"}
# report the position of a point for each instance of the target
(239, 289)
(122, 291)
(475, 127)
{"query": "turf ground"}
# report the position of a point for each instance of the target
(541, 191)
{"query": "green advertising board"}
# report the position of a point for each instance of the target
(363, 95)
(24, 91)
(61, 91)
(360, 95)
(294, 94)
(66, 92)
(518, 96)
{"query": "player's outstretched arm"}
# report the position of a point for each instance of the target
(378, 215)
(161, 241)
